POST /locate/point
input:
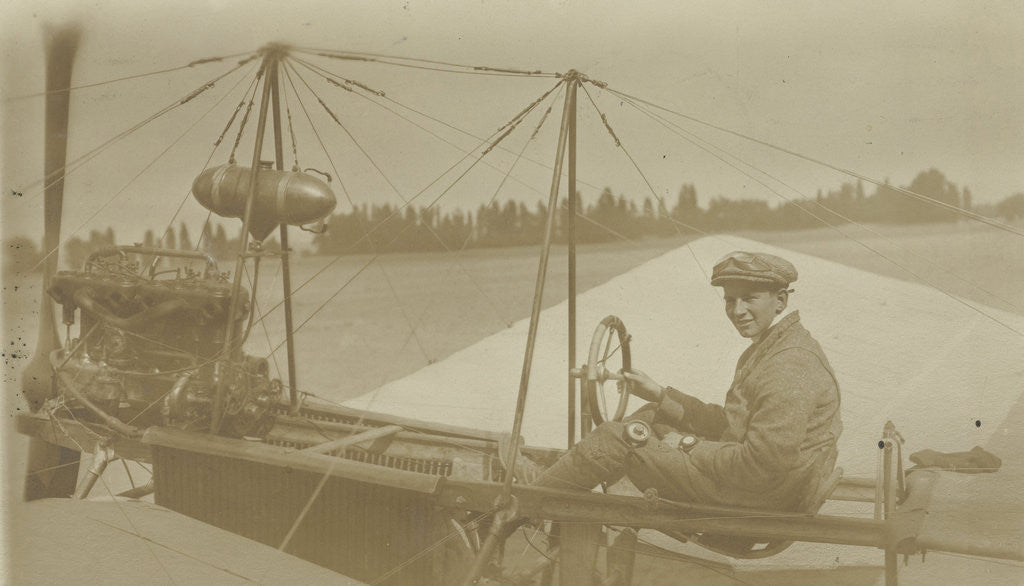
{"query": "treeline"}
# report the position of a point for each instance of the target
(386, 228)
(213, 240)
(22, 254)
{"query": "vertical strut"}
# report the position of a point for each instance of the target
(571, 240)
(229, 352)
(542, 269)
(286, 274)
(506, 502)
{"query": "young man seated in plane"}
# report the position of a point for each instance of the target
(768, 447)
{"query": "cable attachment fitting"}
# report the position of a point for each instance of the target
(507, 70)
(195, 93)
(572, 74)
(604, 118)
(201, 61)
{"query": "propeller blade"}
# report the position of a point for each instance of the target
(62, 43)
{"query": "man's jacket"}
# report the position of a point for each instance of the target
(776, 435)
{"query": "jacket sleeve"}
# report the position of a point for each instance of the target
(691, 414)
(784, 395)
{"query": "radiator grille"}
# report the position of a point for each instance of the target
(436, 467)
(361, 530)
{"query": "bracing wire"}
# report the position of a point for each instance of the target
(387, 278)
(375, 257)
(213, 151)
(206, 222)
(359, 54)
(130, 77)
(216, 143)
(547, 166)
(693, 139)
(291, 132)
(61, 173)
(253, 280)
(919, 196)
(509, 127)
(978, 558)
(324, 73)
(177, 551)
(120, 507)
(465, 242)
(371, 261)
(661, 200)
(136, 176)
(704, 146)
(431, 65)
(366, 265)
(245, 117)
(250, 91)
(441, 541)
(394, 213)
(350, 280)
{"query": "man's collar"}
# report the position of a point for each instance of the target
(777, 328)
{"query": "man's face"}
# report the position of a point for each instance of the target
(751, 307)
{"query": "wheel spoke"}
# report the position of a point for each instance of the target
(607, 346)
(602, 403)
(603, 406)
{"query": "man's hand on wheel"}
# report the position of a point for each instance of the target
(643, 386)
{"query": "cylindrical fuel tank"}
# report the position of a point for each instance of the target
(282, 197)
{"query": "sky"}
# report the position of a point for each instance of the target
(884, 88)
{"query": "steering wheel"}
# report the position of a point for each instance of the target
(610, 344)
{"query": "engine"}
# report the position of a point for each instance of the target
(149, 347)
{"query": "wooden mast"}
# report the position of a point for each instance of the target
(571, 241)
(286, 275)
(568, 113)
(506, 504)
(271, 56)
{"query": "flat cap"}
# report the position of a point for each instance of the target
(758, 267)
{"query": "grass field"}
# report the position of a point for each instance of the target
(967, 259)
(404, 311)
(364, 338)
